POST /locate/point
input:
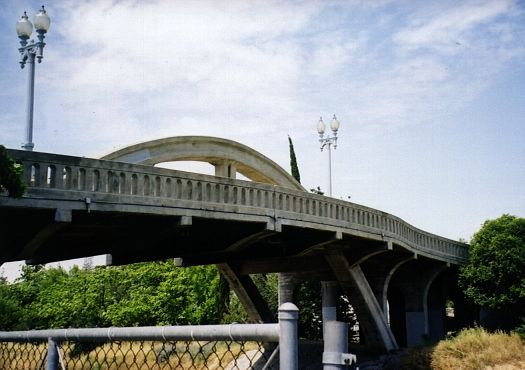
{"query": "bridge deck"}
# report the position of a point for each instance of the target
(78, 207)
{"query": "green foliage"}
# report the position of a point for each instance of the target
(9, 308)
(310, 303)
(10, 175)
(268, 286)
(495, 274)
(235, 312)
(153, 293)
(293, 162)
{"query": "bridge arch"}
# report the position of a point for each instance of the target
(227, 156)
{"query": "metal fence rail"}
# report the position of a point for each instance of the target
(228, 347)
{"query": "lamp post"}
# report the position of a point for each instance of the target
(328, 141)
(28, 52)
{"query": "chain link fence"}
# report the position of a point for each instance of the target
(198, 347)
(142, 355)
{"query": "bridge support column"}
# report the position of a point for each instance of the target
(372, 322)
(436, 301)
(287, 284)
(421, 310)
(248, 294)
(226, 169)
(330, 291)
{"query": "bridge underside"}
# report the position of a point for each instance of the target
(46, 235)
(367, 270)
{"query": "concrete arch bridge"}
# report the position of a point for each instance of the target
(396, 275)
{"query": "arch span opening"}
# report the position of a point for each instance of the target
(227, 156)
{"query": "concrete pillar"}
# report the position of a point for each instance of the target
(226, 169)
(396, 315)
(372, 322)
(287, 284)
(414, 282)
(247, 292)
(330, 293)
(436, 301)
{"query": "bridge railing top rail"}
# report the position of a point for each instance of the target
(147, 183)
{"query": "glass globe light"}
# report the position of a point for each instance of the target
(320, 126)
(334, 125)
(42, 21)
(24, 27)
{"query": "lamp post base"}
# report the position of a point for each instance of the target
(28, 146)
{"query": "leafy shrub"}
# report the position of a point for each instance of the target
(10, 175)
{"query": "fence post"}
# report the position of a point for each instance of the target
(288, 341)
(52, 355)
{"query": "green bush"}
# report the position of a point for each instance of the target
(11, 175)
(494, 276)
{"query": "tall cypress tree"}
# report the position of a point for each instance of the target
(293, 162)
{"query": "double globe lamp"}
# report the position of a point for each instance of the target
(327, 142)
(28, 52)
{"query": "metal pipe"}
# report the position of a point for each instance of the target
(235, 332)
(330, 169)
(28, 145)
(52, 355)
(288, 343)
(272, 358)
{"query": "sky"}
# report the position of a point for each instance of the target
(430, 94)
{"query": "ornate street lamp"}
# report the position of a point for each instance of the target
(28, 52)
(328, 141)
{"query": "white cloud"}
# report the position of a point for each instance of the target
(120, 72)
(140, 70)
(449, 26)
(331, 53)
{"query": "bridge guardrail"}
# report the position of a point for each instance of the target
(153, 185)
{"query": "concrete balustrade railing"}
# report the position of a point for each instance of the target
(155, 186)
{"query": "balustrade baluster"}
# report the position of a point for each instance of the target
(134, 184)
(67, 180)
(198, 191)
(81, 176)
(27, 174)
(168, 188)
(157, 191)
(122, 184)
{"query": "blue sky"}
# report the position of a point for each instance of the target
(430, 95)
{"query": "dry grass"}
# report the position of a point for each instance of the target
(131, 355)
(474, 349)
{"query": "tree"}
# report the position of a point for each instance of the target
(293, 162)
(10, 175)
(149, 293)
(494, 277)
